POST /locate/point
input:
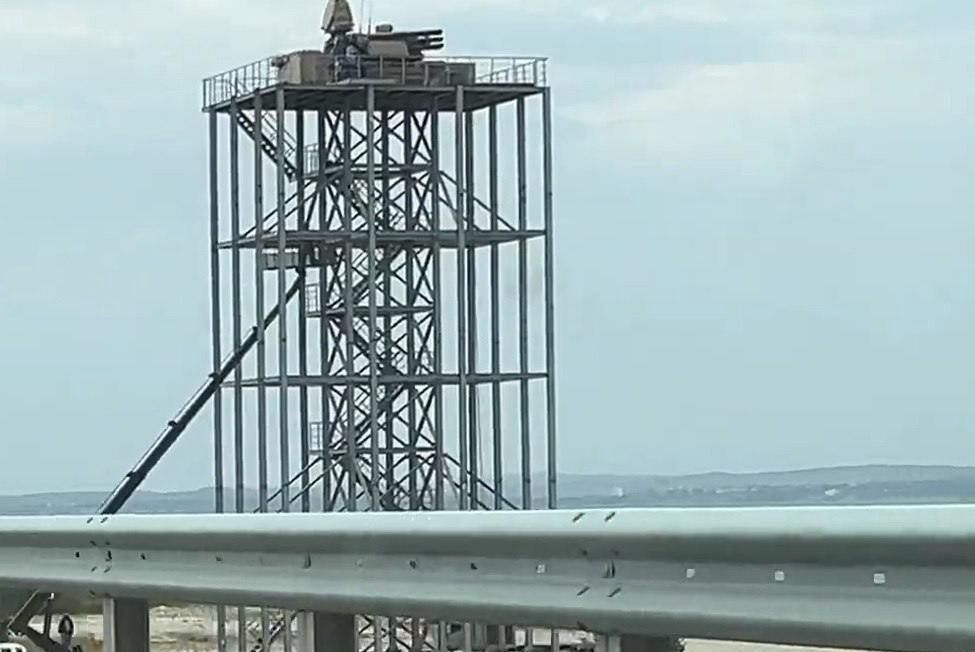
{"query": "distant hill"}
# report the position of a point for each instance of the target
(144, 502)
(873, 484)
(829, 475)
(851, 485)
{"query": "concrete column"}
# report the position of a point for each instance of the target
(126, 625)
(326, 633)
(608, 643)
(500, 636)
(636, 643)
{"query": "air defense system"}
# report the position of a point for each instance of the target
(380, 55)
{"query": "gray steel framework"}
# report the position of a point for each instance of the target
(389, 374)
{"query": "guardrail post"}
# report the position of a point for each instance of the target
(320, 632)
(126, 625)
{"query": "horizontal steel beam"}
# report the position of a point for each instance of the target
(429, 379)
(894, 578)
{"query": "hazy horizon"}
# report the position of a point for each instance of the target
(539, 476)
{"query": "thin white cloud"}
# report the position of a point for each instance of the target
(622, 13)
(712, 115)
(751, 12)
(30, 125)
(47, 24)
(759, 118)
(30, 21)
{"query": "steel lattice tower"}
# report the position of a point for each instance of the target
(392, 228)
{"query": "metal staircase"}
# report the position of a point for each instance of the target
(269, 135)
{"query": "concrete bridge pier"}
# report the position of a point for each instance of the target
(318, 632)
(126, 625)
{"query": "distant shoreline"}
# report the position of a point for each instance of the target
(843, 485)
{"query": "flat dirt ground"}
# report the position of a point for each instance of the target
(193, 629)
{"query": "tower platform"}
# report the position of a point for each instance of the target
(312, 80)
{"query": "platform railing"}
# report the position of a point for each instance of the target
(442, 71)
(239, 82)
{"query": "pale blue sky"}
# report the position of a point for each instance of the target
(765, 225)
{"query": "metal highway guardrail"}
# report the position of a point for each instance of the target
(894, 578)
